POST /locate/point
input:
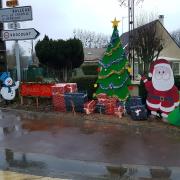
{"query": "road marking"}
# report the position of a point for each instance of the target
(19, 176)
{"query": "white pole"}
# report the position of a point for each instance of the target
(32, 50)
(17, 61)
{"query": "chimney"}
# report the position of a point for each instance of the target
(161, 19)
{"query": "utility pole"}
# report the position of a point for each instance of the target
(131, 33)
(3, 61)
(130, 5)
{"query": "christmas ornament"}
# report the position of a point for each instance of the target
(130, 88)
(95, 85)
(98, 69)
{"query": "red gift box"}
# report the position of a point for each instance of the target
(102, 98)
(59, 89)
(110, 106)
(59, 102)
(62, 88)
(90, 106)
(113, 100)
(71, 87)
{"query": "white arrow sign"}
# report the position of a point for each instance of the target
(20, 34)
(13, 25)
(23, 13)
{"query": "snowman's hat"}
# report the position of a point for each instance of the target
(4, 76)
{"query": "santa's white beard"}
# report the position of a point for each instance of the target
(163, 84)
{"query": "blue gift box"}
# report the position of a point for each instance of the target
(138, 112)
(77, 100)
(133, 101)
(100, 108)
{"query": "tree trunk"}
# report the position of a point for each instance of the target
(146, 68)
(65, 74)
(141, 68)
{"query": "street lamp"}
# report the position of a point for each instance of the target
(123, 17)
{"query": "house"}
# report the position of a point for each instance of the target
(93, 55)
(170, 51)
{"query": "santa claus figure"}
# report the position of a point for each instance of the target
(163, 96)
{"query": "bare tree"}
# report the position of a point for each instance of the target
(11, 59)
(176, 36)
(91, 39)
(148, 42)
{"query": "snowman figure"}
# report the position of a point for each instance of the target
(8, 87)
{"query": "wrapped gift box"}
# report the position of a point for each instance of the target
(62, 88)
(102, 98)
(90, 106)
(75, 101)
(59, 89)
(133, 101)
(110, 107)
(138, 112)
(59, 102)
(100, 108)
(71, 87)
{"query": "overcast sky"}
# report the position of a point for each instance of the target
(58, 18)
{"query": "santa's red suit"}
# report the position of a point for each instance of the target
(164, 101)
(162, 94)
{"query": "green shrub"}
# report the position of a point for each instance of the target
(90, 69)
(177, 81)
(86, 83)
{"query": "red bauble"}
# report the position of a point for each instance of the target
(98, 69)
(130, 88)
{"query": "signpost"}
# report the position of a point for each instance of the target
(13, 15)
(12, 3)
(19, 34)
(13, 25)
(23, 13)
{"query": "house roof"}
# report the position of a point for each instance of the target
(93, 54)
(125, 36)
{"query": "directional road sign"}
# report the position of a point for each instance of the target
(23, 13)
(13, 25)
(19, 34)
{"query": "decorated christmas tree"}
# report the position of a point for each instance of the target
(113, 77)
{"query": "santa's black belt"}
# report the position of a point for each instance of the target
(161, 98)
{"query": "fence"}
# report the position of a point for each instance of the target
(38, 74)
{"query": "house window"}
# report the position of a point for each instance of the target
(176, 68)
(136, 69)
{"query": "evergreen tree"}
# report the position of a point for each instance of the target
(113, 78)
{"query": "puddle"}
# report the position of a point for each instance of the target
(57, 145)
(44, 165)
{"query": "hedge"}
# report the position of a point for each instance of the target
(90, 69)
(177, 82)
(86, 83)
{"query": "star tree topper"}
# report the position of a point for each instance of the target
(115, 23)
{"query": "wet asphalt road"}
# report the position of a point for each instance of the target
(77, 149)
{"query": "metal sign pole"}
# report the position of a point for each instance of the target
(18, 67)
(17, 61)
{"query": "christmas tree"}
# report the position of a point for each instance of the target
(113, 77)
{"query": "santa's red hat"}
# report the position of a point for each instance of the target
(158, 62)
